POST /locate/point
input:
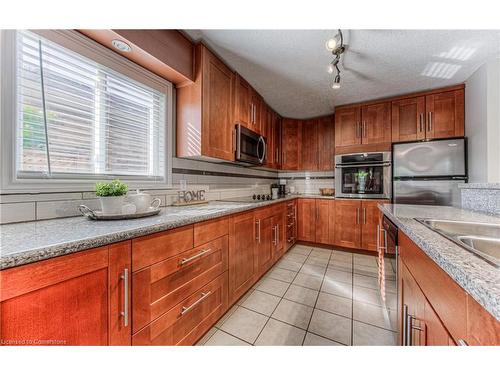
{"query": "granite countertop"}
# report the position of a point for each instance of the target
(24, 243)
(477, 277)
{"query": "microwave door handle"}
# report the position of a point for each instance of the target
(261, 158)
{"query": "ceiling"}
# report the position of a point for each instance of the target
(289, 67)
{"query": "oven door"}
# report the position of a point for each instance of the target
(250, 147)
(370, 180)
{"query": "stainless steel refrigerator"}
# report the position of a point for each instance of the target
(429, 172)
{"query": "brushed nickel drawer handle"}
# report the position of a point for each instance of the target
(462, 342)
(124, 313)
(185, 309)
(201, 253)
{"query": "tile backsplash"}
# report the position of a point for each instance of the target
(308, 182)
(218, 180)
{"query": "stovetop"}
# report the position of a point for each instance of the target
(253, 198)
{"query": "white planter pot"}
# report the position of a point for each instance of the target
(112, 205)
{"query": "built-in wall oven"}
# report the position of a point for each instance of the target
(250, 147)
(363, 175)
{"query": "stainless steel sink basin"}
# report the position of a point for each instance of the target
(482, 239)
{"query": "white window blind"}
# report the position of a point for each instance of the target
(79, 119)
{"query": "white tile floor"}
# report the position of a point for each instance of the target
(313, 296)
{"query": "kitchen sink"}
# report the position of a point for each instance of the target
(482, 239)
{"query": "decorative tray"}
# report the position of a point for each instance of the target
(98, 215)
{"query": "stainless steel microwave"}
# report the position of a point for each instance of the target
(363, 175)
(250, 146)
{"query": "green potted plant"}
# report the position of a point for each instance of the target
(362, 180)
(112, 195)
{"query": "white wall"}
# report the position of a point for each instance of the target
(482, 123)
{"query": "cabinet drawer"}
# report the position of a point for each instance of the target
(446, 297)
(157, 247)
(210, 230)
(160, 287)
(188, 320)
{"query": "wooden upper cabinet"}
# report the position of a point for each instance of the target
(242, 107)
(347, 223)
(276, 127)
(445, 114)
(326, 146)
(309, 146)
(291, 143)
(408, 119)
(205, 111)
(255, 119)
(376, 123)
(266, 116)
(348, 126)
(306, 219)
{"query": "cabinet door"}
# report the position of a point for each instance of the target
(291, 140)
(435, 332)
(347, 223)
(445, 114)
(309, 147)
(408, 119)
(277, 140)
(326, 147)
(482, 327)
(412, 298)
(242, 101)
(306, 220)
(256, 102)
(331, 221)
(120, 262)
(347, 126)
(243, 261)
(265, 242)
(267, 133)
(322, 221)
(376, 123)
(217, 111)
(68, 303)
(370, 218)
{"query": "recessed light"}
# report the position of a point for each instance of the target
(121, 45)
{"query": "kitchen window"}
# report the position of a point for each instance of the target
(76, 119)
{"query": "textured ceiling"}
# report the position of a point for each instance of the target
(289, 67)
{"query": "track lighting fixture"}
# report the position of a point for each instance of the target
(336, 47)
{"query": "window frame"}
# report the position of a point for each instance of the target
(74, 41)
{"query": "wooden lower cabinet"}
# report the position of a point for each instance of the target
(347, 224)
(322, 234)
(370, 220)
(189, 319)
(243, 256)
(291, 224)
(441, 312)
(356, 223)
(264, 237)
(306, 219)
(158, 288)
(76, 299)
